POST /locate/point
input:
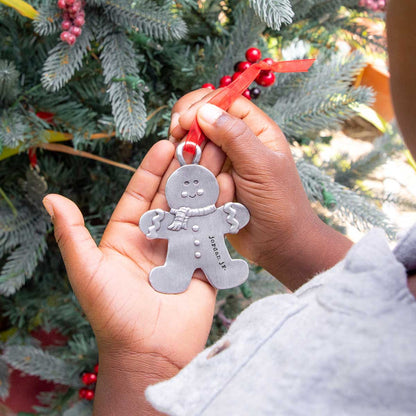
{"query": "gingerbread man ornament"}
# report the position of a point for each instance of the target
(195, 229)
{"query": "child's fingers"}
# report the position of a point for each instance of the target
(236, 139)
(79, 251)
(259, 122)
(187, 102)
(144, 184)
(227, 189)
(212, 158)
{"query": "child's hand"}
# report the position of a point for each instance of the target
(143, 336)
(284, 235)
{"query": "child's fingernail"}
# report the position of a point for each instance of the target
(48, 206)
(174, 120)
(210, 113)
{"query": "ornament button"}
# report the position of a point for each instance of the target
(197, 242)
(197, 254)
(195, 228)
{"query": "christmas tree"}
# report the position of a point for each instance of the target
(101, 77)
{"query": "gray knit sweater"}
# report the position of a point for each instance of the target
(343, 344)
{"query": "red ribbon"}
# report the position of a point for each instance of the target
(224, 97)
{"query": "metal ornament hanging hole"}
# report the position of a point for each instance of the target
(181, 159)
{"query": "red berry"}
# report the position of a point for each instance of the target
(89, 395)
(86, 394)
(242, 66)
(255, 93)
(225, 80)
(66, 25)
(75, 8)
(69, 2)
(71, 39)
(265, 78)
(89, 378)
(81, 393)
(64, 36)
(62, 4)
(268, 61)
(236, 75)
(247, 94)
(96, 369)
(209, 86)
(79, 21)
(236, 66)
(75, 30)
(253, 55)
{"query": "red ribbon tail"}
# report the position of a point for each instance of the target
(301, 65)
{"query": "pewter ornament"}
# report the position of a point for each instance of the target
(195, 230)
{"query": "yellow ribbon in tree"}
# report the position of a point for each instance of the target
(25, 9)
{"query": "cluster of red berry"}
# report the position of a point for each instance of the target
(89, 379)
(74, 19)
(265, 78)
(375, 5)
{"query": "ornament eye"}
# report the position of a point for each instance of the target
(196, 182)
(186, 183)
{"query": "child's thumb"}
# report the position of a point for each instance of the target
(232, 134)
(78, 249)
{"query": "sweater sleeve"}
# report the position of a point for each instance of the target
(342, 344)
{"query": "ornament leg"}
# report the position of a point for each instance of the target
(235, 274)
(170, 278)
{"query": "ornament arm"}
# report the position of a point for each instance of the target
(154, 223)
(235, 215)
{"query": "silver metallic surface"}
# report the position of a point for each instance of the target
(179, 154)
(195, 229)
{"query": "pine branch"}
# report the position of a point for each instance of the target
(65, 315)
(15, 229)
(350, 206)
(64, 60)
(383, 148)
(81, 408)
(9, 77)
(4, 379)
(320, 99)
(37, 362)
(21, 263)
(323, 114)
(273, 12)
(118, 62)
(47, 22)
(24, 220)
(239, 40)
(14, 128)
(147, 17)
(81, 344)
(301, 8)
(95, 2)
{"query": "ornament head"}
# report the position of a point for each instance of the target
(191, 186)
